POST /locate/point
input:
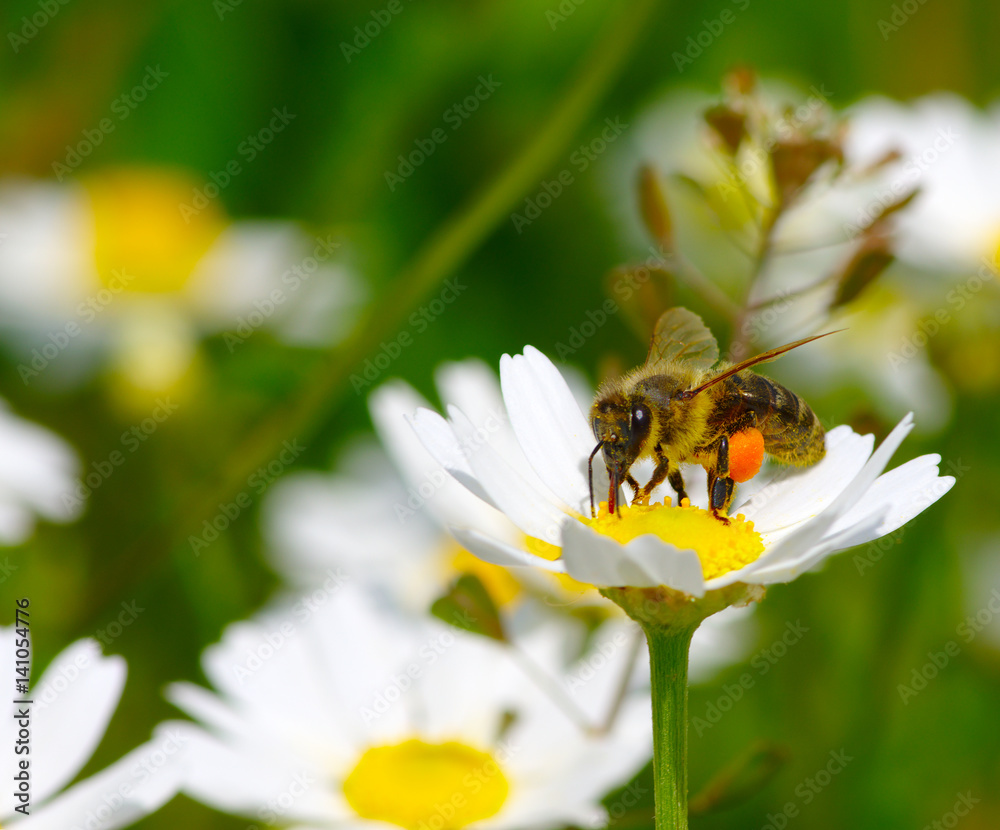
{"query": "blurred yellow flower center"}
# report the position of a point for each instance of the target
(143, 242)
(720, 547)
(422, 786)
(547, 550)
(501, 586)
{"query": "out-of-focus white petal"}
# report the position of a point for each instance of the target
(38, 471)
(118, 796)
(75, 700)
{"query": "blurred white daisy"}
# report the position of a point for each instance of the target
(794, 519)
(112, 270)
(383, 518)
(360, 716)
(73, 703)
(37, 470)
(948, 148)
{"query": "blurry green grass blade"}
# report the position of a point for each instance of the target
(445, 251)
(741, 779)
(456, 239)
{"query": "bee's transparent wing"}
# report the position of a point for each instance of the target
(681, 335)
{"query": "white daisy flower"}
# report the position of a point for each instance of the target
(795, 518)
(359, 716)
(37, 469)
(72, 705)
(383, 518)
(111, 270)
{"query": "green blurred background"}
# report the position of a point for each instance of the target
(228, 65)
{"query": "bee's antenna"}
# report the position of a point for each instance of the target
(590, 477)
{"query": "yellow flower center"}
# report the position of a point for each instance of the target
(503, 588)
(423, 786)
(721, 547)
(142, 241)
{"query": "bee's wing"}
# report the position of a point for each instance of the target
(680, 335)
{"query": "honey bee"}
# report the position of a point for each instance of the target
(681, 407)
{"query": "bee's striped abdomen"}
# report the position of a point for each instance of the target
(792, 432)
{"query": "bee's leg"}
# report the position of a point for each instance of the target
(720, 485)
(677, 482)
(661, 472)
(631, 482)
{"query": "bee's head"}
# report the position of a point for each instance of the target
(621, 426)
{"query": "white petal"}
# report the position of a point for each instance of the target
(37, 473)
(136, 785)
(795, 494)
(391, 406)
(790, 548)
(549, 425)
(75, 700)
(793, 563)
(437, 435)
(903, 493)
(525, 506)
(645, 562)
(243, 777)
(499, 553)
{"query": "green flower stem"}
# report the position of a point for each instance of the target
(668, 660)
(669, 618)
